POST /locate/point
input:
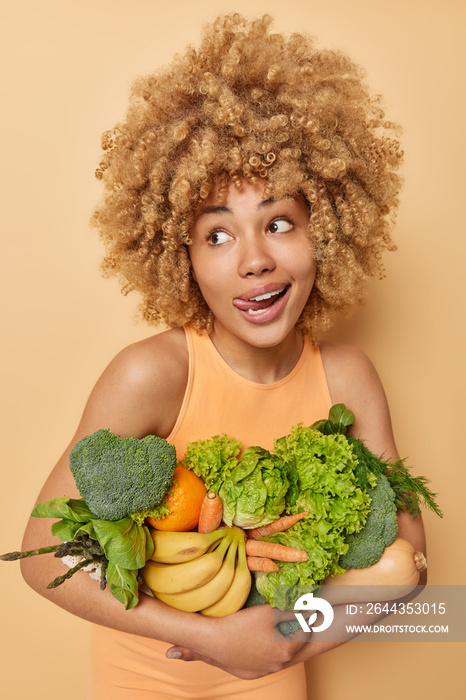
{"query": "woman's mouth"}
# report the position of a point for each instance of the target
(263, 307)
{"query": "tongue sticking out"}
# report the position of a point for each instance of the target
(259, 304)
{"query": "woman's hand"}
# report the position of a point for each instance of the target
(246, 644)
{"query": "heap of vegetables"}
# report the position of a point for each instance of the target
(346, 497)
(319, 504)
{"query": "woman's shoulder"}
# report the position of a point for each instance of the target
(343, 363)
(155, 352)
(145, 383)
(153, 357)
(353, 380)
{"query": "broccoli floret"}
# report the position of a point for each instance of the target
(380, 529)
(120, 476)
(155, 512)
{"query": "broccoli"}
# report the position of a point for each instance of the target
(118, 477)
(380, 529)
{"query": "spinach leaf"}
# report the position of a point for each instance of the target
(126, 545)
(150, 546)
(66, 530)
(123, 584)
(68, 508)
(124, 542)
(341, 416)
(339, 419)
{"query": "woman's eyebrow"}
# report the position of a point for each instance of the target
(267, 202)
(220, 209)
(214, 209)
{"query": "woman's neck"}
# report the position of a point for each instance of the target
(263, 365)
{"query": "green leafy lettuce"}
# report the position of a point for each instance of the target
(254, 492)
(323, 469)
(410, 491)
(213, 459)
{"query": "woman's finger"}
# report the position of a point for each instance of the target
(183, 654)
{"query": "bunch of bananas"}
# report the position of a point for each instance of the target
(197, 572)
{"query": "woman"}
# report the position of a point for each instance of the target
(247, 199)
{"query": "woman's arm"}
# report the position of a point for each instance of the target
(133, 397)
(353, 380)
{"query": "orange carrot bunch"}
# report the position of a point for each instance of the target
(261, 555)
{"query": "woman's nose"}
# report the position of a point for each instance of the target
(255, 258)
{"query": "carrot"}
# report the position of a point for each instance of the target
(279, 525)
(211, 513)
(261, 564)
(259, 548)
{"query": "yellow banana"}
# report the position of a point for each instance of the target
(202, 597)
(177, 578)
(177, 547)
(237, 594)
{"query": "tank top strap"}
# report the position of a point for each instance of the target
(218, 400)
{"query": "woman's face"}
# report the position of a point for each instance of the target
(253, 262)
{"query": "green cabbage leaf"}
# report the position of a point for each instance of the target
(254, 492)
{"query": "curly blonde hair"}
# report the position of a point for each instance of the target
(248, 104)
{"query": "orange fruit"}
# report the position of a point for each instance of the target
(184, 501)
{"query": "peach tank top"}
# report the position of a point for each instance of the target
(217, 400)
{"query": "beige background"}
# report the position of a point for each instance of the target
(66, 68)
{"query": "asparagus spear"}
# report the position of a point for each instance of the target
(85, 547)
(13, 556)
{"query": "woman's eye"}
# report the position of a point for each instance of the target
(280, 226)
(218, 237)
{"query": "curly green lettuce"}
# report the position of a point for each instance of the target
(326, 485)
(212, 459)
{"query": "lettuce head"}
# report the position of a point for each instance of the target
(254, 492)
